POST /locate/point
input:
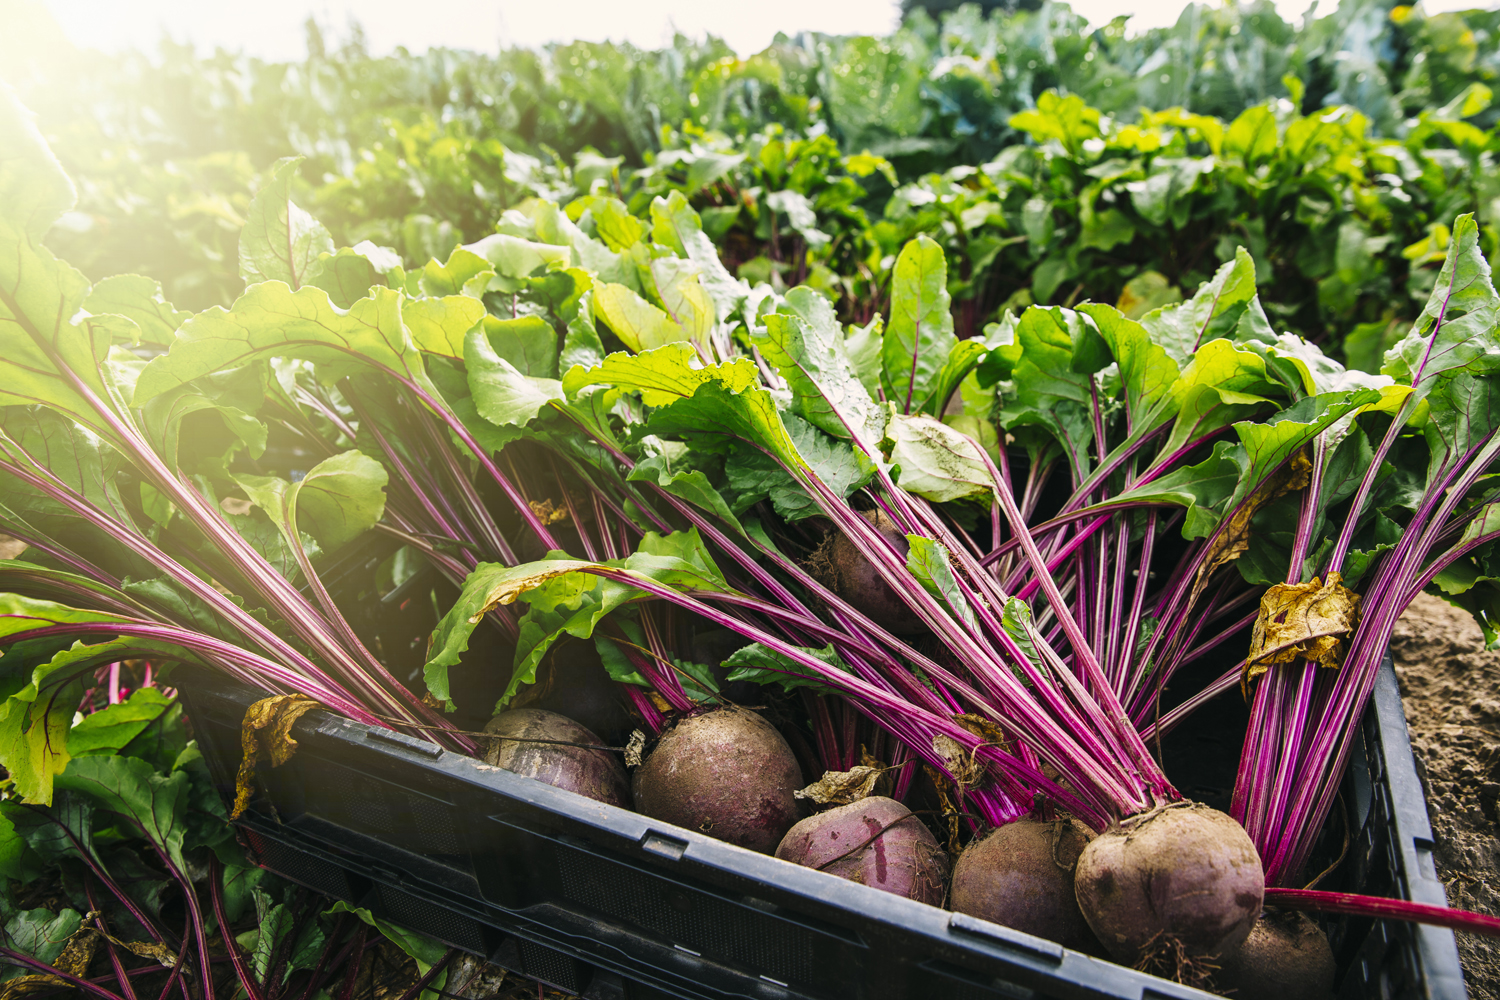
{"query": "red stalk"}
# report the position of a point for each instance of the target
(1381, 908)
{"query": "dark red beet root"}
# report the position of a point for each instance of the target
(854, 579)
(1286, 957)
(727, 773)
(1021, 876)
(876, 842)
(595, 773)
(1185, 879)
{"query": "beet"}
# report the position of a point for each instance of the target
(573, 682)
(876, 842)
(1286, 957)
(850, 575)
(595, 773)
(1021, 876)
(1183, 878)
(727, 773)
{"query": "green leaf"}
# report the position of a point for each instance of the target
(140, 300)
(936, 461)
(439, 325)
(1015, 618)
(615, 225)
(804, 341)
(689, 484)
(501, 393)
(676, 225)
(423, 950)
(927, 560)
(528, 342)
(754, 475)
(348, 274)
(1252, 136)
(131, 787)
(639, 324)
(465, 273)
(565, 598)
(280, 242)
(759, 665)
(515, 259)
(39, 933)
(1216, 310)
(1460, 326)
(111, 728)
(662, 376)
(338, 500)
(1147, 372)
(919, 336)
(41, 350)
(270, 320)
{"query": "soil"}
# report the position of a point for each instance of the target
(1450, 687)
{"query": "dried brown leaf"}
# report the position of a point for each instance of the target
(1301, 621)
(839, 788)
(635, 748)
(266, 734)
(546, 512)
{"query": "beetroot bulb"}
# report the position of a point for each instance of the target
(876, 842)
(727, 773)
(595, 773)
(1021, 876)
(1180, 879)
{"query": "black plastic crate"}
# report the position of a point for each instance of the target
(607, 903)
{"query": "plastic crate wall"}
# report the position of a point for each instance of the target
(606, 903)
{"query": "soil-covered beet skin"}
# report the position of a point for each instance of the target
(1021, 876)
(727, 773)
(1286, 957)
(852, 577)
(1183, 876)
(876, 842)
(595, 773)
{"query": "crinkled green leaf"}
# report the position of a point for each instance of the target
(936, 461)
(270, 320)
(805, 343)
(280, 242)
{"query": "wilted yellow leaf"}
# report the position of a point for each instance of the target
(839, 788)
(267, 734)
(1301, 621)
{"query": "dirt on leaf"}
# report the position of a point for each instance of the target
(1450, 687)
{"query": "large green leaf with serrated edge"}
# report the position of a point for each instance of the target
(920, 332)
(271, 320)
(805, 343)
(280, 242)
(663, 375)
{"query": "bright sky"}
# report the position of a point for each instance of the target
(273, 28)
